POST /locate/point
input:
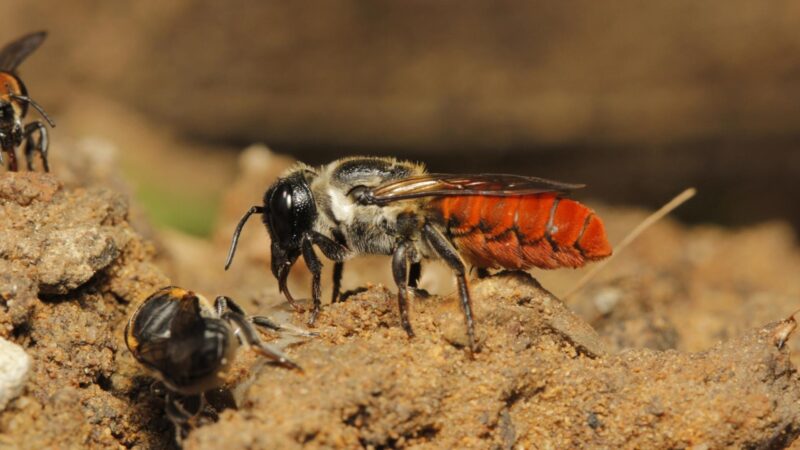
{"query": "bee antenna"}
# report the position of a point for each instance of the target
(35, 105)
(235, 239)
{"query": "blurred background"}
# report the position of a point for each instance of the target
(637, 99)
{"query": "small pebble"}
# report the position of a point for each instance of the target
(15, 365)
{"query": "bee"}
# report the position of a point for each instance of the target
(383, 206)
(186, 343)
(14, 102)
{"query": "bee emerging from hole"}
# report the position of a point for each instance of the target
(187, 344)
(14, 102)
(383, 206)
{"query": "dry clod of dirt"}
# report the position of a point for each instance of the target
(70, 269)
(63, 245)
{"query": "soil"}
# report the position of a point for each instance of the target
(71, 264)
(684, 341)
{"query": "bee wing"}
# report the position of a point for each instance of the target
(445, 185)
(188, 315)
(14, 53)
(152, 352)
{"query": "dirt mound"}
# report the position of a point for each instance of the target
(542, 380)
(70, 265)
(72, 269)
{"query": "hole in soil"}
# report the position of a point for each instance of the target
(103, 381)
(22, 335)
(21, 331)
(358, 418)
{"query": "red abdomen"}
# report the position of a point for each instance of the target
(519, 232)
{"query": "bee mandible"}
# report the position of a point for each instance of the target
(186, 343)
(14, 102)
(383, 206)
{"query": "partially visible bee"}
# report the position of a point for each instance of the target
(186, 343)
(14, 101)
(383, 206)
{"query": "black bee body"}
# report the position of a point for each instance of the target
(174, 335)
(329, 208)
(14, 102)
(385, 206)
(363, 229)
(11, 132)
(186, 343)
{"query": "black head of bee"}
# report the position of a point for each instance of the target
(289, 214)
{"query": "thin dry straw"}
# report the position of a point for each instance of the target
(785, 335)
(644, 225)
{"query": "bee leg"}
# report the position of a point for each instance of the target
(218, 400)
(449, 254)
(249, 335)
(223, 303)
(315, 266)
(351, 292)
(266, 322)
(338, 268)
(400, 273)
(12, 159)
(32, 146)
(283, 277)
(334, 250)
(180, 410)
(414, 273)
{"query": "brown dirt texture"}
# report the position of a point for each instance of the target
(677, 344)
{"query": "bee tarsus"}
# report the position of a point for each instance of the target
(450, 256)
(32, 145)
(315, 266)
(182, 411)
(400, 273)
(249, 335)
(414, 273)
(338, 270)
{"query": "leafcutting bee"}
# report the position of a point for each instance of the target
(367, 205)
(186, 343)
(14, 101)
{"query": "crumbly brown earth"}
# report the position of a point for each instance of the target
(70, 266)
(681, 357)
(542, 380)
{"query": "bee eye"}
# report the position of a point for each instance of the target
(281, 214)
(290, 211)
